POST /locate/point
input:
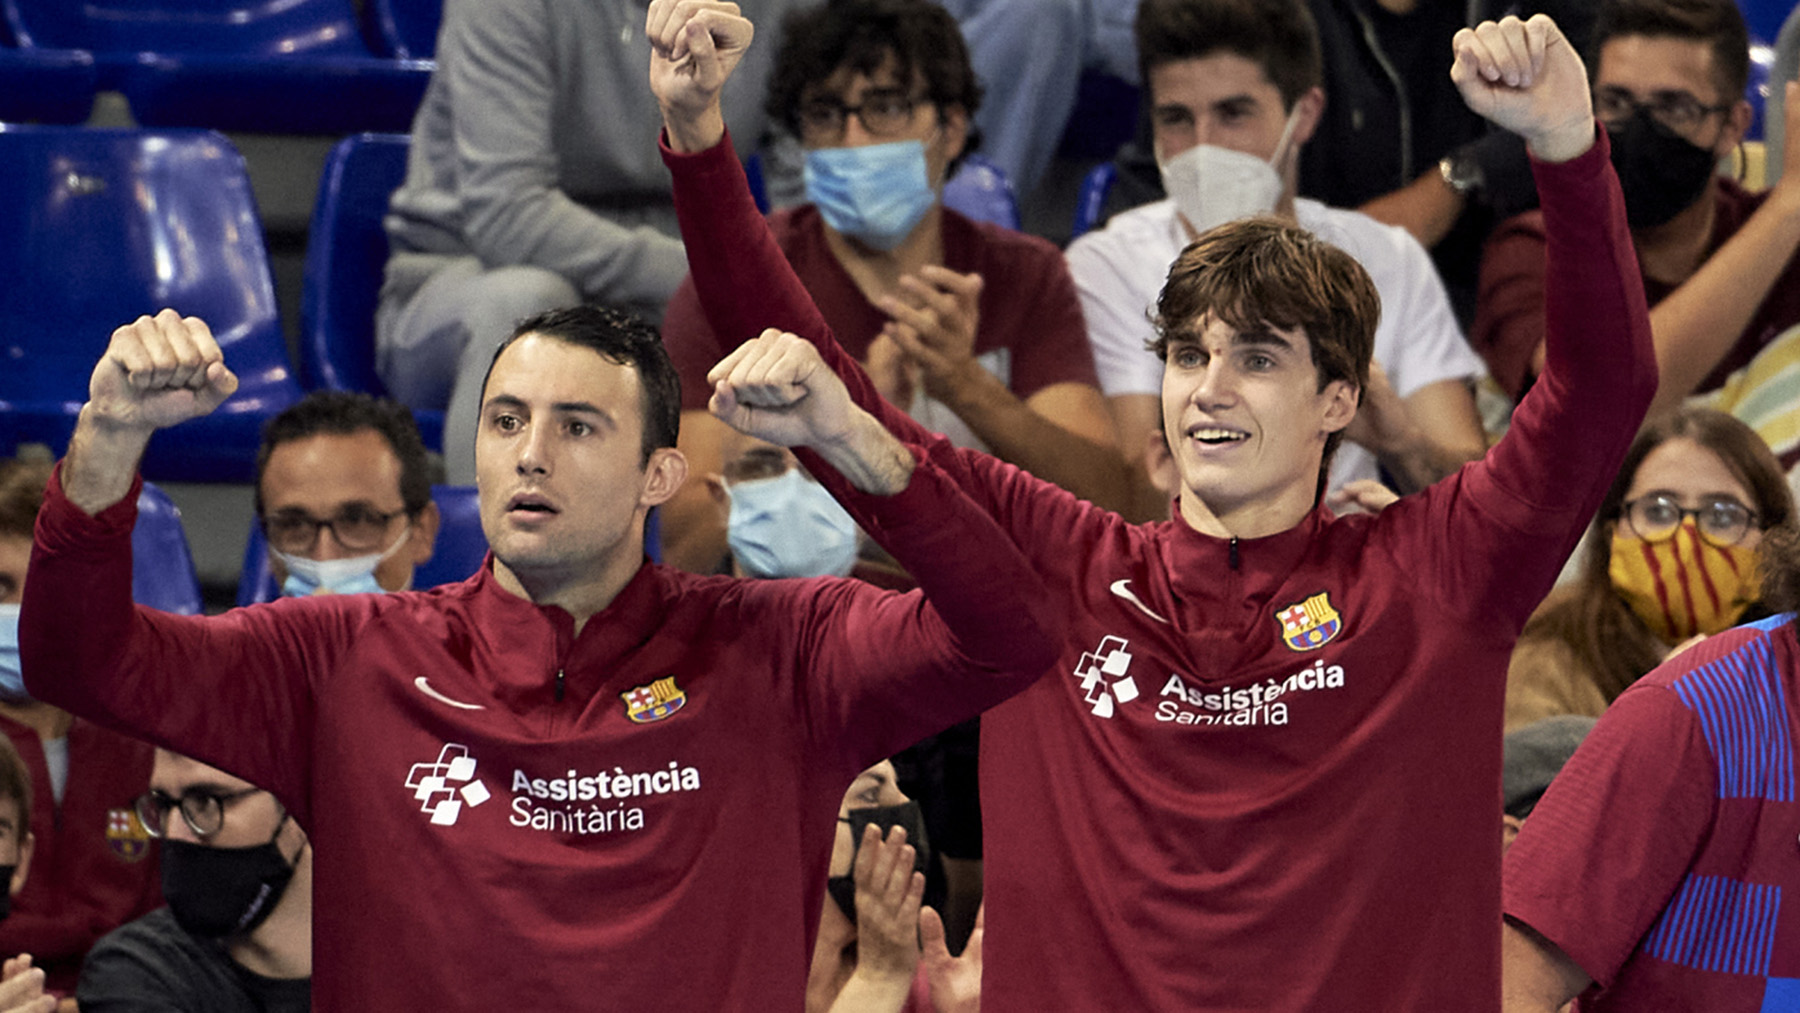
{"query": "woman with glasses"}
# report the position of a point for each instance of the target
(1671, 556)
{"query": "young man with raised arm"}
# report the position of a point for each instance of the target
(577, 780)
(1264, 772)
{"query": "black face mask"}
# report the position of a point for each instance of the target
(219, 892)
(907, 816)
(6, 875)
(1661, 172)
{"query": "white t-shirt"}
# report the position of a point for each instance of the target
(1120, 270)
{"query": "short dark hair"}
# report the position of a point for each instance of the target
(1718, 23)
(920, 37)
(1265, 271)
(621, 338)
(1279, 36)
(346, 413)
(15, 784)
(22, 485)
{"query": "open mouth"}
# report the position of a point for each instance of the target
(528, 503)
(1216, 436)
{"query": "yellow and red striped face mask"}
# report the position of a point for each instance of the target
(1683, 584)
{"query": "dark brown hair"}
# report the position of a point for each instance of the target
(1277, 35)
(22, 485)
(1717, 23)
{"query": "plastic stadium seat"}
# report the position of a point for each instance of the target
(408, 28)
(1090, 201)
(1765, 17)
(1786, 64)
(981, 191)
(297, 66)
(345, 253)
(162, 569)
(101, 226)
(460, 548)
(44, 85)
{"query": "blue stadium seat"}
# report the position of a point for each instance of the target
(1765, 16)
(982, 192)
(162, 569)
(44, 85)
(1090, 202)
(458, 554)
(408, 28)
(100, 226)
(345, 252)
(299, 66)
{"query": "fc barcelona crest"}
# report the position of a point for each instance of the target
(1310, 624)
(653, 702)
(126, 835)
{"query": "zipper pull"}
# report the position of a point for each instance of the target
(559, 685)
(1234, 560)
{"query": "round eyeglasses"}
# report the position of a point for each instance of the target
(1720, 520)
(1679, 112)
(357, 527)
(202, 809)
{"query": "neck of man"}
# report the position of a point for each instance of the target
(48, 722)
(1284, 210)
(281, 947)
(878, 272)
(1251, 519)
(1671, 252)
(581, 589)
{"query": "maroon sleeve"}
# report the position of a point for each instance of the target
(1029, 297)
(692, 345)
(1509, 305)
(1609, 843)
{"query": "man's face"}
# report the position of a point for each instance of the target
(246, 820)
(330, 476)
(1676, 75)
(15, 553)
(1224, 100)
(1247, 423)
(558, 458)
(891, 111)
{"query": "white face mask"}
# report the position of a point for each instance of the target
(1212, 185)
(355, 575)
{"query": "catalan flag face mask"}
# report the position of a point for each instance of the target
(1683, 584)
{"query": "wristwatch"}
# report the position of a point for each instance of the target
(1461, 173)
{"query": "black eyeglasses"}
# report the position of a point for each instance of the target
(1721, 520)
(1677, 111)
(884, 112)
(356, 527)
(202, 809)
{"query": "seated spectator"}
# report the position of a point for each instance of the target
(975, 327)
(1658, 871)
(1234, 88)
(1531, 757)
(1670, 556)
(343, 494)
(237, 934)
(21, 985)
(1718, 261)
(532, 184)
(95, 867)
(867, 957)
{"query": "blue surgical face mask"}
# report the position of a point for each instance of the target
(12, 677)
(790, 527)
(355, 575)
(874, 194)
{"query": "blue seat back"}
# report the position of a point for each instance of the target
(101, 226)
(220, 27)
(1090, 201)
(408, 29)
(982, 192)
(460, 548)
(162, 568)
(345, 253)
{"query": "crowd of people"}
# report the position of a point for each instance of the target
(1152, 624)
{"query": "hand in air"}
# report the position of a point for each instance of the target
(1527, 77)
(776, 387)
(694, 47)
(158, 372)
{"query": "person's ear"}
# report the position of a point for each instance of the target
(663, 476)
(1309, 111)
(1340, 405)
(1736, 127)
(423, 540)
(954, 121)
(27, 845)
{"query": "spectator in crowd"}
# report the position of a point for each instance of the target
(1718, 261)
(529, 186)
(21, 985)
(1671, 555)
(343, 494)
(878, 949)
(1234, 93)
(1531, 757)
(975, 327)
(549, 747)
(1244, 691)
(237, 934)
(95, 867)
(1657, 871)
